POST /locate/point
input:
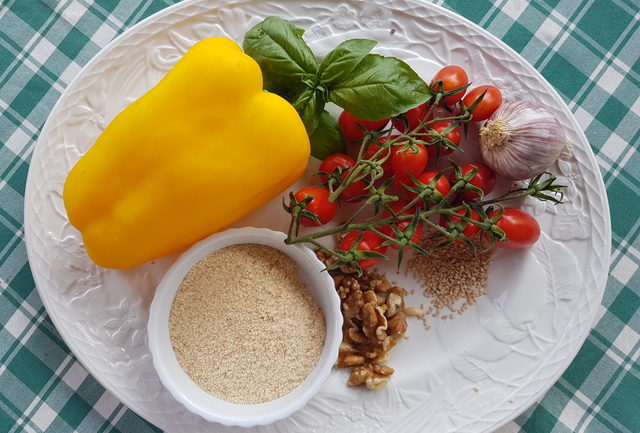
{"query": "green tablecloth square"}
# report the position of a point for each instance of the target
(564, 76)
(33, 92)
(626, 305)
(22, 283)
(88, 392)
(623, 403)
(74, 42)
(517, 37)
(48, 347)
(32, 12)
(34, 373)
(614, 112)
(586, 360)
(75, 411)
(606, 33)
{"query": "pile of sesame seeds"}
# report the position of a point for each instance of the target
(453, 280)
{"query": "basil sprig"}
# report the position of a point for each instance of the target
(369, 86)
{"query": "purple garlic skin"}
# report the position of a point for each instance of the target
(521, 140)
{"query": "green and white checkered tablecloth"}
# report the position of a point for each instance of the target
(589, 51)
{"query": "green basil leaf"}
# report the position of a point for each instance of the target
(380, 87)
(309, 105)
(327, 138)
(278, 47)
(338, 65)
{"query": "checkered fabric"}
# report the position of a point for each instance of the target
(588, 50)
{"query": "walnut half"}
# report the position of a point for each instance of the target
(370, 375)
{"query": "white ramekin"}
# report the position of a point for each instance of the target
(180, 384)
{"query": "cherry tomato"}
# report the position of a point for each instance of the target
(414, 117)
(522, 229)
(452, 77)
(369, 242)
(407, 163)
(336, 160)
(453, 136)
(470, 230)
(396, 207)
(485, 179)
(490, 102)
(442, 186)
(320, 205)
(340, 160)
(350, 129)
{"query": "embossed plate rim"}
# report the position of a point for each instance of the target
(41, 282)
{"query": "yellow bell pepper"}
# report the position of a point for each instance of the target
(198, 151)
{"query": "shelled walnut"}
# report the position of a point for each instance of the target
(375, 319)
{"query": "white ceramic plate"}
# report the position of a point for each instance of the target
(471, 374)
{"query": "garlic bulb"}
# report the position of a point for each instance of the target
(521, 140)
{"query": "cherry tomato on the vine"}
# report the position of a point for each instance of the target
(369, 242)
(396, 207)
(414, 117)
(386, 165)
(408, 163)
(522, 229)
(333, 161)
(490, 102)
(470, 230)
(485, 179)
(453, 136)
(320, 205)
(340, 160)
(350, 129)
(452, 77)
(442, 186)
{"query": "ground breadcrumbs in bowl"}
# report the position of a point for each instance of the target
(244, 326)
